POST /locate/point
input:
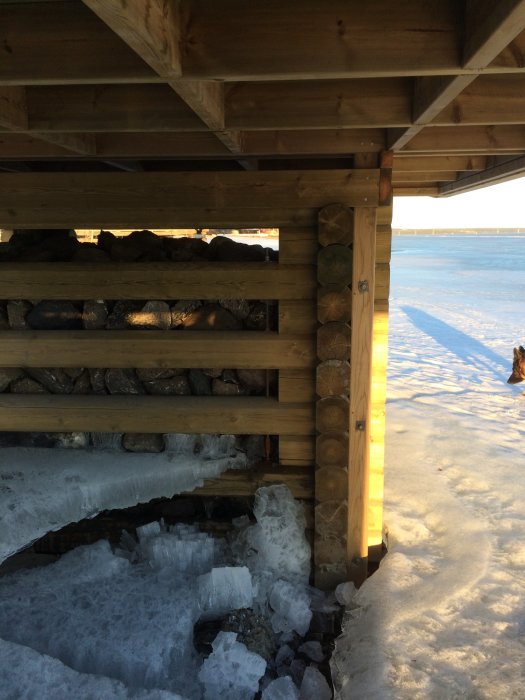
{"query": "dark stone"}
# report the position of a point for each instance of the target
(221, 388)
(212, 372)
(257, 318)
(240, 308)
(143, 442)
(200, 383)
(43, 245)
(53, 379)
(4, 320)
(154, 315)
(226, 250)
(153, 374)
(17, 311)
(94, 314)
(173, 386)
(97, 378)
(253, 379)
(8, 375)
(211, 317)
(121, 316)
(253, 630)
(55, 316)
(181, 310)
(105, 240)
(26, 385)
(183, 249)
(139, 245)
(73, 372)
(254, 447)
(83, 384)
(123, 381)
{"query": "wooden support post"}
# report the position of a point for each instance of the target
(360, 382)
(334, 307)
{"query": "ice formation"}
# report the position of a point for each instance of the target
(124, 621)
(314, 685)
(231, 672)
(44, 489)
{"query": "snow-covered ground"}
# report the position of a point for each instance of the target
(444, 617)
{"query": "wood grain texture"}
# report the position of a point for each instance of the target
(246, 482)
(360, 396)
(193, 280)
(154, 414)
(135, 348)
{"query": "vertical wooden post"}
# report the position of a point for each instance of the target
(334, 306)
(360, 392)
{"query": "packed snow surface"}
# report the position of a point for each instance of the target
(444, 617)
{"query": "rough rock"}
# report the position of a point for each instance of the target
(8, 375)
(139, 245)
(143, 442)
(257, 318)
(172, 386)
(253, 630)
(54, 379)
(240, 308)
(4, 320)
(181, 310)
(211, 317)
(26, 385)
(120, 317)
(200, 383)
(97, 378)
(153, 374)
(213, 372)
(43, 245)
(154, 314)
(94, 314)
(123, 381)
(89, 253)
(253, 379)
(221, 388)
(54, 316)
(82, 383)
(73, 372)
(17, 310)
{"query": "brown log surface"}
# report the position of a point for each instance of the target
(334, 265)
(334, 303)
(336, 225)
(333, 341)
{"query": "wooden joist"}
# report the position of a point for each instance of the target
(135, 348)
(154, 414)
(193, 280)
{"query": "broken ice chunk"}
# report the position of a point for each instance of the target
(314, 686)
(345, 593)
(292, 607)
(225, 588)
(281, 689)
(231, 672)
(313, 650)
(149, 530)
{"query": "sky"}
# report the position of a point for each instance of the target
(498, 206)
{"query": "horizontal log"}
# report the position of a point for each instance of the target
(297, 385)
(178, 199)
(297, 450)
(246, 482)
(298, 245)
(239, 349)
(193, 280)
(154, 414)
(298, 316)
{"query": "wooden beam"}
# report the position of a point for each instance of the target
(469, 139)
(360, 395)
(90, 108)
(488, 32)
(331, 104)
(13, 108)
(28, 147)
(235, 40)
(167, 200)
(76, 144)
(245, 482)
(499, 172)
(406, 163)
(192, 280)
(421, 177)
(417, 191)
(253, 350)
(489, 100)
(53, 42)
(155, 414)
(312, 142)
(150, 28)
(160, 145)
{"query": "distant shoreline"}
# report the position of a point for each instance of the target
(456, 231)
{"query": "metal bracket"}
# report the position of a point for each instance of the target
(360, 425)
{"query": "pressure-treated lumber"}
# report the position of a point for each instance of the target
(469, 139)
(336, 225)
(333, 341)
(169, 200)
(238, 482)
(334, 265)
(13, 109)
(154, 414)
(135, 348)
(360, 401)
(332, 413)
(334, 303)
(297, 316)
(192, 280)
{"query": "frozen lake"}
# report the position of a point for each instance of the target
(444, 616)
